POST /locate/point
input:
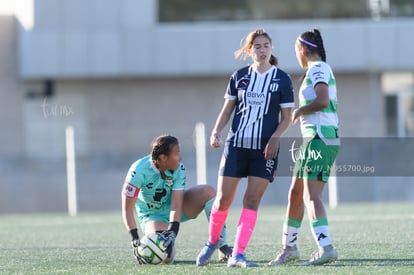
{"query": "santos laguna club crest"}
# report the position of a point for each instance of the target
(169, 181)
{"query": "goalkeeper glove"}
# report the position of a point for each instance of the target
(135, 243)
(169, 236)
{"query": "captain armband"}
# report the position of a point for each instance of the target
(130, 190)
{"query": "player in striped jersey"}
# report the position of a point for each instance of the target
(319, 126)
(256, 96)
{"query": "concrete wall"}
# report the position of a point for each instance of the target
(116, 113)
(11, 96)
(115, 121)
(99, 39)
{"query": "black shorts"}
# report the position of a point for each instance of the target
(240, 162)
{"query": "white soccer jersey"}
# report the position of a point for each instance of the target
(324, 122)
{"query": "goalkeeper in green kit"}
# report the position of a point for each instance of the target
(155, 189)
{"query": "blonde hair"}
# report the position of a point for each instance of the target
(244, 51)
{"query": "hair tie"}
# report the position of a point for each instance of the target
(307, 42)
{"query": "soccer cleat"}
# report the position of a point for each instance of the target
(224, 253)
(240, 261)
(204, 256)
(325, 255)
(286, 255)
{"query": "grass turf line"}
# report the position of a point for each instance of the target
(370, 239)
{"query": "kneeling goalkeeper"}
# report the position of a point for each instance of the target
(155, 188)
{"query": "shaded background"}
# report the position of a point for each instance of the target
(123, 71)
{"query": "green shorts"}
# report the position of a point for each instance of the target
(315, 160)
(144, 219)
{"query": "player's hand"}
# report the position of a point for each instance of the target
(135, 245)
(169, 240)
(215, 140)
(272, 148)
(295, 116)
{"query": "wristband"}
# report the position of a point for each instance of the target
(174, 226)
(134, 234)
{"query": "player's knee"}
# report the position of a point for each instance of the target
(200, 193)
(251, 202)
(211, 192)
(208, 192)
(223, 203)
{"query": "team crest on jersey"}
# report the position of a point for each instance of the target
(169, 181)
(273, 87)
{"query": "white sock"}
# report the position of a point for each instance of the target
(290, 234)
(320, 230)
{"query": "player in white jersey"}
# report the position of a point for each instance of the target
(154, 188)
(256, 95)
(319, 126)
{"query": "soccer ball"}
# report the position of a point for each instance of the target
(152, 248)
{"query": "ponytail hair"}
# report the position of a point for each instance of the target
(313, 43)
(273, 60)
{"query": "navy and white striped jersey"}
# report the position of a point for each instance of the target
(259, 96)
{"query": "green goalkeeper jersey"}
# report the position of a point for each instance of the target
(154, 196)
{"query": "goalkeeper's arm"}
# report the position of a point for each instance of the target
(129, 198)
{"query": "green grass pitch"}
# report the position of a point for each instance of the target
(370, 239)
